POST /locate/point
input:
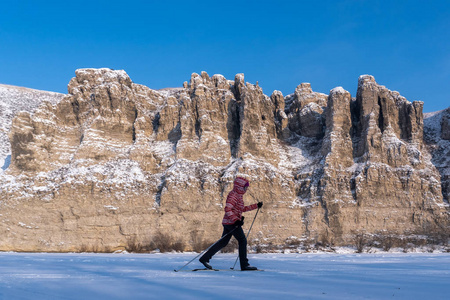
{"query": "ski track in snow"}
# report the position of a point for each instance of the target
(286, 276)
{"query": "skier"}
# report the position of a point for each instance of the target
(233, 221)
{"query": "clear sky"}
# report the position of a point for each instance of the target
(404, 44)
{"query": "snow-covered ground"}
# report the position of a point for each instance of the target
(286, 276)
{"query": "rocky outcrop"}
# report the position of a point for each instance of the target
(445, 124)
(14, 99)
(115, 162)
(306, 111)
(436, 133)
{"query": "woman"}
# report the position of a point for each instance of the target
(232, 223)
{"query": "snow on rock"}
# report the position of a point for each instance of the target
(115, 162)
(339, 90)
(12, 100)
(436, 137)
(365, 79)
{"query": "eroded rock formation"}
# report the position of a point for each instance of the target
(115, 161)
(14, 99)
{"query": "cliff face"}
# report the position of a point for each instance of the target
(115, 161)
(437, 141)
(12, 100)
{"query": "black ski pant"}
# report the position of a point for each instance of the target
(238, 233)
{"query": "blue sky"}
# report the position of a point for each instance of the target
(404, 44)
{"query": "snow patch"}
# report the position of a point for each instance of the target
(110, 207)
(338, 90)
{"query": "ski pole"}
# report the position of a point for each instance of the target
(248, 233)
(206, 250)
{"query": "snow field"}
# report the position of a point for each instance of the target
(286, 276)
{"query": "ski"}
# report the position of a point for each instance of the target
(223, 270)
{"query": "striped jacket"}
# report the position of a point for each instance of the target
(235, 203)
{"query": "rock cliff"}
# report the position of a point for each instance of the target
(114, 162)
(12, 100)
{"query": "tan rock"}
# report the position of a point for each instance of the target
(115, 162)
(306, 112)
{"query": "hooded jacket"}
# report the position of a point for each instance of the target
(235, 203)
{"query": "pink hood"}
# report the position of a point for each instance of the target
(239, 184)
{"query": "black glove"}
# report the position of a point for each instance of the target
(239, 222)
(260, 204)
